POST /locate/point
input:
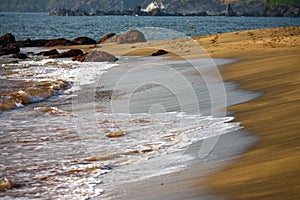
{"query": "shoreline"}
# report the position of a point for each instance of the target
(270, 168)
(267, 63)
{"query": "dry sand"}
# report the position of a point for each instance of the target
(268, 61)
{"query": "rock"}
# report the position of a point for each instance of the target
(159, 52)
(105, 37)
(51, 52)
(84, 41)
(6, 184)
(292, 12)
(7, 39)
(99, 56)
(68, 54)
(80, 57)
(116, 134)
(9, 50)
(229, 11)
(59, 42)
(32, 43)
(19, 56)
(132, 36)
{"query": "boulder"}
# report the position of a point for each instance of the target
(59, 42)
(68, 54)
(159, 52)
(84, 41)
(32, 43)
(132, 36)
(99, 56)
(9, 50)
(51, 52)
(80, 57)
(19, 56)
(105, 37)
(7, 39)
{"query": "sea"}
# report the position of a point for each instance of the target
(72, 130)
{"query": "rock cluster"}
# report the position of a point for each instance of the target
(9, 45)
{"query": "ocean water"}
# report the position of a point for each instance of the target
(72, 130)
(42, 26)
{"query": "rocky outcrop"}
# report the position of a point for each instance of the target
(96, 56)
(7, 39)
(68, 54)
(67, 12)
(8, 44)
(84, 41)
(282, 11)
(229, 11)
(59, 42)
(132, 36)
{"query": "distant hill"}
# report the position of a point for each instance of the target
(169, 6)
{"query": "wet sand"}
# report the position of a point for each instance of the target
(267, 62)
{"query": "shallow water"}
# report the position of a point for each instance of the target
(82, 140)
(73, 130)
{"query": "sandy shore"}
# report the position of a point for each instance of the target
(267, 62)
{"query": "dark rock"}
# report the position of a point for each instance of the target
(19, 56)
(51, 52)
(105, 37)
(159, 53)
(292, 12)
(84, 41)
(7, 39)
(137, 10)
(59, 42)
(32, 43)
(9, 50)
(68, 54)
(99, 56)
(132, 36)
(80, 57)
(67, 12)
(229, 11)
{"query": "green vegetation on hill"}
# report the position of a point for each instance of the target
(276, 3)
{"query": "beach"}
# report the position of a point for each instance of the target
(136, 128)
(267, 61)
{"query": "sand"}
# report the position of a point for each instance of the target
(268, 61)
